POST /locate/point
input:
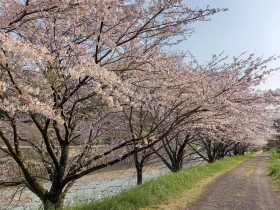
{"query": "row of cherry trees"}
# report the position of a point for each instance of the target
(236, 118)
(86, 73)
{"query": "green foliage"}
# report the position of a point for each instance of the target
(274, 167)
(256, 149)
(164, 189)
(275, 143)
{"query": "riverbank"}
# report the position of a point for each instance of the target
(172, 190)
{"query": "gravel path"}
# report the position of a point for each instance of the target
(247, 187)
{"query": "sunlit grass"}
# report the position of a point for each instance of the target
(274, 168)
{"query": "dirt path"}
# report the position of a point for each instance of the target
(247, 187)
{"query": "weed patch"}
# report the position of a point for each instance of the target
(274, 168)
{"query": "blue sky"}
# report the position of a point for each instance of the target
(248, 25)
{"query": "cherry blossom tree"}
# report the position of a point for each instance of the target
(68, 68)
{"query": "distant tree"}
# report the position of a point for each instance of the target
(275, 141)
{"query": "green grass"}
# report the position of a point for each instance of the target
(274, 168)
(163, 190)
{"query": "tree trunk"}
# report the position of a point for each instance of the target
(177, 165)
(53, 202)
(175, 168)
(50, 205)
(139, 170)
(211, 159)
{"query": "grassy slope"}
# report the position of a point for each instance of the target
(274, 168)
(169, 191)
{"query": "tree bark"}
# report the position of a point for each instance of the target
(139, 169)
(139, 175)
(177, 166)
(54, 202)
